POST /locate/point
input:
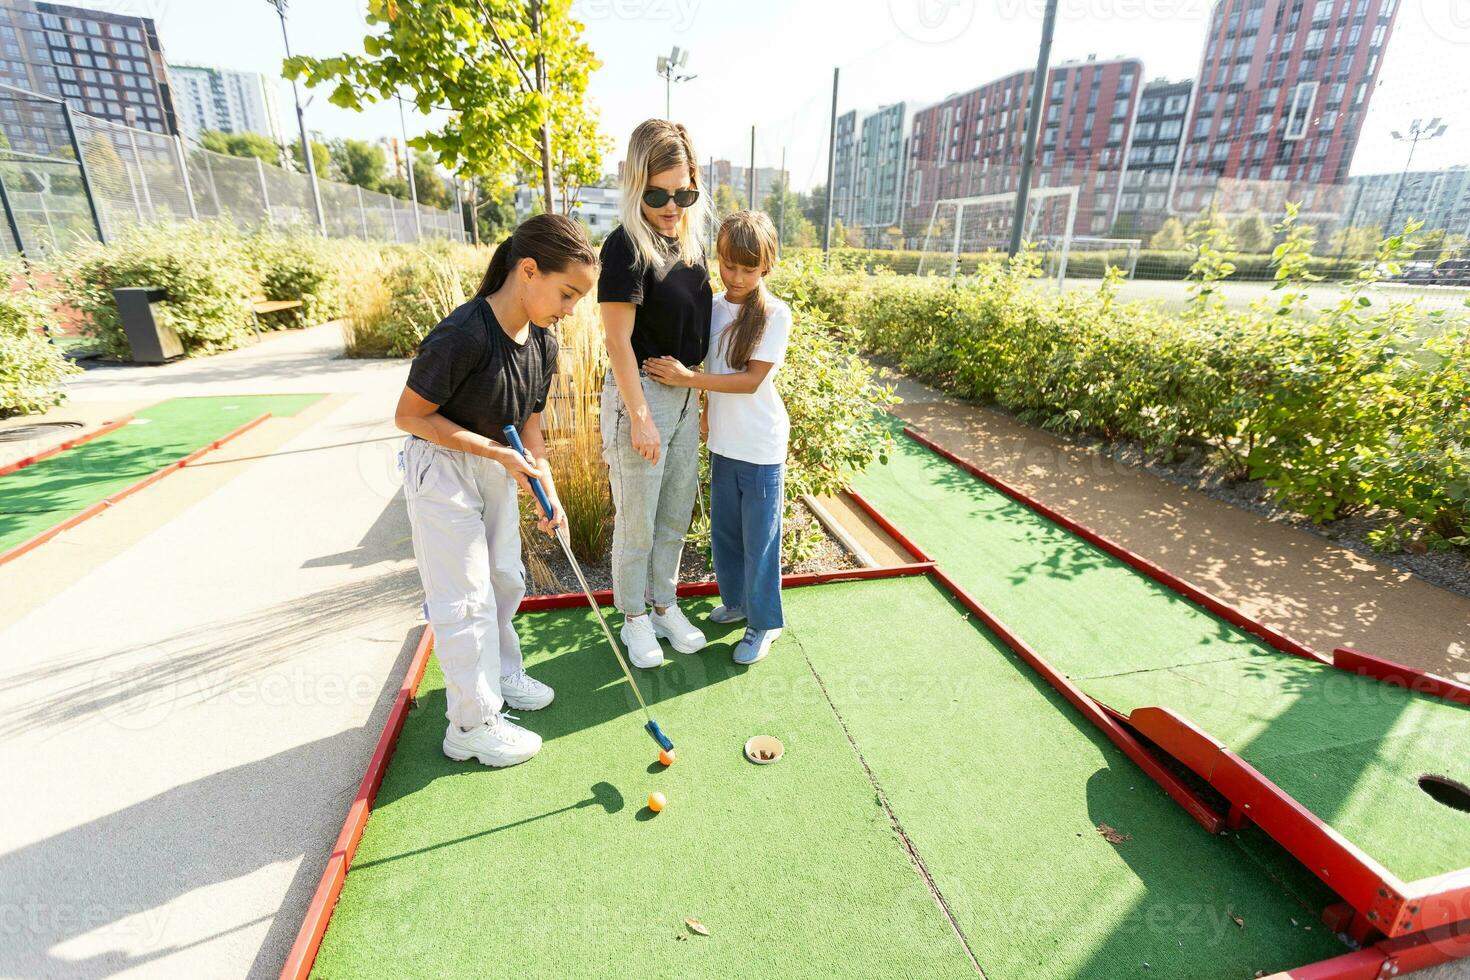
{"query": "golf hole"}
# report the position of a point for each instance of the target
(763, 749)
(1442, 789)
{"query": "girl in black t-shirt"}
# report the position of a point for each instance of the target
(655, 299)
(485, 366)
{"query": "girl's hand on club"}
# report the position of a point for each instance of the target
(548, 525)
(646, 439)
(520, 467)
(669, 371)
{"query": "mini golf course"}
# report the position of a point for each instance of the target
(56, 492)
(941, 809)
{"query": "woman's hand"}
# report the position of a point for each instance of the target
(548, 525)
(645, 436)
(669, 371)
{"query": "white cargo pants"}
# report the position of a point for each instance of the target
(467, 540)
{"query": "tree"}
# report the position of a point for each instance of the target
(789, 219)
(359, 162)
(578, 163)
(241, 145)
(1356, 242)
(814, 206)
(1251, 233)
(321, 158)
(1169, 237)
(511, 73)
(839, 233)
(1209, 226)
(727, 200)
(429, 184)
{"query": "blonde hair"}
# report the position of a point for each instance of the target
(747, 238)
(658, 145)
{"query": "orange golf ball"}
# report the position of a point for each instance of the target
(665, 757)
(656, 802)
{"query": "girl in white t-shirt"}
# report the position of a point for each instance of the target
(747, 431)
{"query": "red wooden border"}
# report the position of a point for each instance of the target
(102, 505)
(1153, 570)
(314, 926)
(62, 447)
(1389, 672)
(1390, 957)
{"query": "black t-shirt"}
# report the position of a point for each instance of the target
(673, 309)
(478, 376)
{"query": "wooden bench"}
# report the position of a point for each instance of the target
(260, 305)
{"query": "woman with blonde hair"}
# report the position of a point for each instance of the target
(655, 297)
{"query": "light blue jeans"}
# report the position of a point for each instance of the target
(745, 534)
(653, 502)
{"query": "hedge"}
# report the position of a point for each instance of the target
(1337, 410)
(31, 368)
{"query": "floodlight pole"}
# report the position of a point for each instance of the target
(1033, 123)
(1416, 133)
(831, 169)
(306, 154)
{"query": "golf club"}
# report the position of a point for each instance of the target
(514, 439)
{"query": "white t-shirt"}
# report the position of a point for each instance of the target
(752, 428)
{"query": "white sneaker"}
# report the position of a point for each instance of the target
(524, 692)
(675, 627)
(497, 743)
(641, 641)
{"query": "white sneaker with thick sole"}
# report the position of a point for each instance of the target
(641, 642)
(524, 692)
(675, 627)
(497, 743)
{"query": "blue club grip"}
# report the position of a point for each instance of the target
(514, 439)
(659, 736)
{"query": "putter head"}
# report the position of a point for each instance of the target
(659, 736)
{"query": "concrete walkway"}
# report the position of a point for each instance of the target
(188, 702)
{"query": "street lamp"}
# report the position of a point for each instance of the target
(306, 155)
(1417, 132)
(668, 70)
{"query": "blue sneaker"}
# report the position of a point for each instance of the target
(754, 645)
(724, 614)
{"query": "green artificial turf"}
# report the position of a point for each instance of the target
(1349, 748)
(48, 492)
(554, 867)
(1001, 786)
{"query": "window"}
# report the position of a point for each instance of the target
(1139, 154)
(1115, 133)
(1174, 105)
(1238, 77)
(1125, 84)
(1164, 153)
(1201, 128)
(1058, 88)
(1170, 129)
(1148, 107)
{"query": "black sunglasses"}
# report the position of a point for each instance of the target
(657, 197)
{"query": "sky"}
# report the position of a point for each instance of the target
(769, 64)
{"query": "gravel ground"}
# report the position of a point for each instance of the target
(1446, 569)
(695, 567)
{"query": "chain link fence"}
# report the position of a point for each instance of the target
(52, 156)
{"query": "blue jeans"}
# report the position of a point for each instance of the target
(745, 531)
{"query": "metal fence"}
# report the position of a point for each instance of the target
(66, 177)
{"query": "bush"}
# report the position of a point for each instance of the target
(308, 268)
(31, 368)
(205, 267)
(1336, 410)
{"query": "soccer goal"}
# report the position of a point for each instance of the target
(966, 230)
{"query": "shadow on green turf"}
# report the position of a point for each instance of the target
(605, 795)
(590, 689)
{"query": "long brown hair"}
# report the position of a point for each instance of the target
(555, 241)
(747, 238)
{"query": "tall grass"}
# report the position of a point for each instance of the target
(573, 434)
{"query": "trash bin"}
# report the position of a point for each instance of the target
(150, 341)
